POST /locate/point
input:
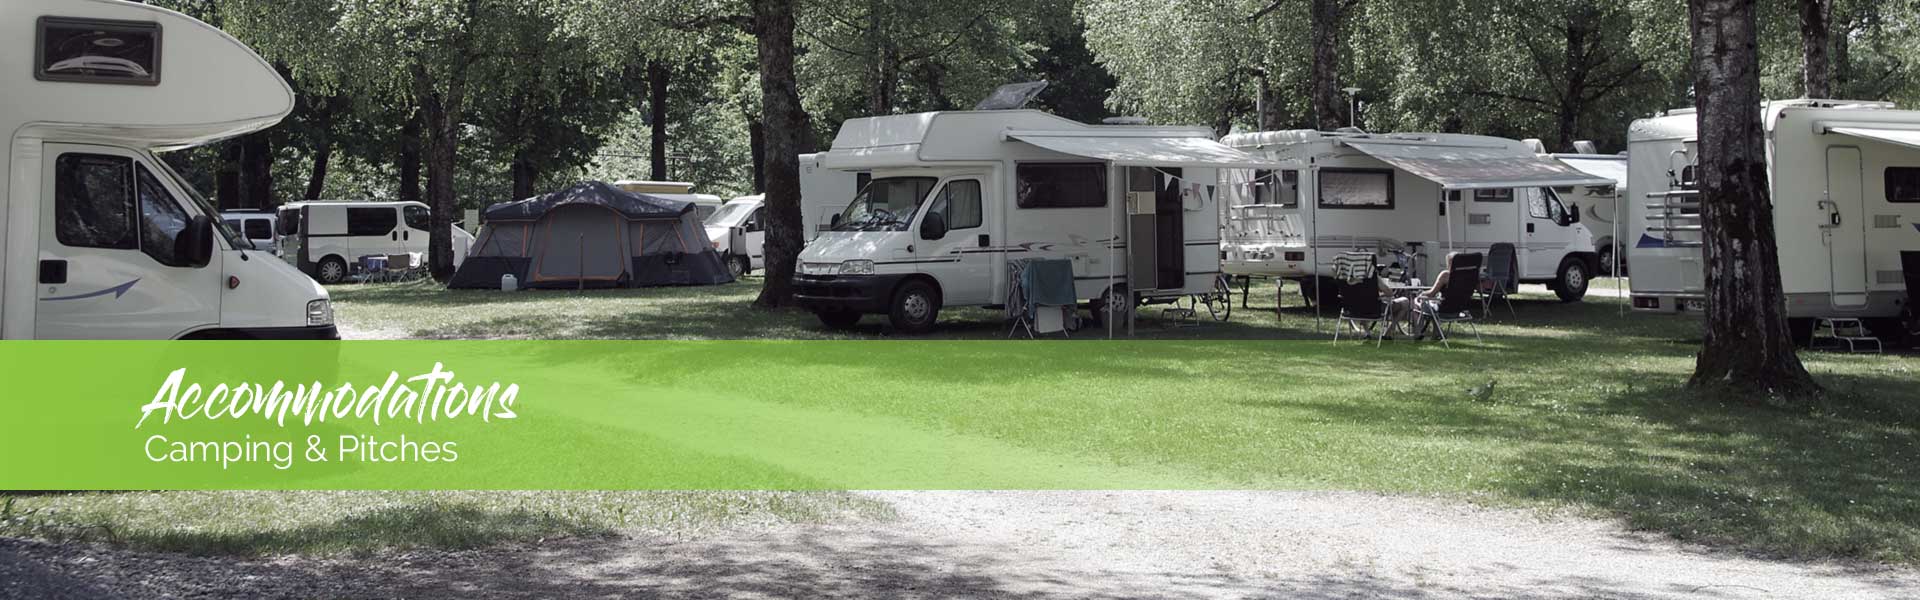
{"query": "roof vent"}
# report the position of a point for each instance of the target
(1585, 147)
(1124, 120)
(1535, 145)
(1012, 96)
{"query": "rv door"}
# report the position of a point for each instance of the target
(117, 250)
(1842, 220)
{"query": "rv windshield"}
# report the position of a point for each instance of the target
(234, 239)
(729, 215)
(887, 204)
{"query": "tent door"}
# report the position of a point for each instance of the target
(1843, 225)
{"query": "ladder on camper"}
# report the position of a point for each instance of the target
(1843, 333)
(1674, 215)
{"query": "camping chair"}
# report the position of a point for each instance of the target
(1040, 290)
(373, 267)
(1360, 301)
(402, 267)
(1502, 279)
(1456, 300)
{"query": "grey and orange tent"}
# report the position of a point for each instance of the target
(591, 235)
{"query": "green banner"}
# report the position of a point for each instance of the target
(562, 415)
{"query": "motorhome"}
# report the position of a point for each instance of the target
(1411, 197)
(326, 238)
(704, 205)
(1845, 182)
(1600, 207)
(955, 195)
(824, 193)
(103, 240)
(739, 232)
(255, 226)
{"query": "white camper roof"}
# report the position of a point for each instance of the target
(206, 85)
(1467, 166)
(981, 136)
(1611, 166)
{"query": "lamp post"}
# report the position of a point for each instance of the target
(1353, 104)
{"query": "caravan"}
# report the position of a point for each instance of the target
(1845, 182)
(102, 238)
(955, 195)
(1416, 196)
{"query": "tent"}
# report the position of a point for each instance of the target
(591, 235)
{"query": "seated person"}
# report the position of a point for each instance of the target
(1429, 301)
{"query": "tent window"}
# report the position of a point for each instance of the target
(93, 202)
(959, 202)
(1903, 184)
(371, 221)
(1356, 188)
(1061, 185)
(97, 51)
(1281, 188)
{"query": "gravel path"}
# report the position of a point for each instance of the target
(1019, 545)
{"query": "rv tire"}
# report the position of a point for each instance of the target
(1103, 309)
(838, 319)
(916, 306)
(738, 266)
(331, 270)
(1571, 283)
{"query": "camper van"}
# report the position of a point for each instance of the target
(1600, 206)
(704, 205)
(326, 238)
(255, 226)
(955, 195)
(739, 233)
(1411, 197)
(103, 240)
(1845, 180)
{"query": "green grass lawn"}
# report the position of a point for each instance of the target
(1562, 405)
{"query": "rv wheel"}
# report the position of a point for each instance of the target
(738, 266)
(1571, 285)
(838, 319)
(915, 307)
(331, 270)
(1606, 261)
(1111, 307)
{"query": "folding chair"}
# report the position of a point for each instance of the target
(373, 267)
(1502, 280)
(1456, 300)
(1360, 301)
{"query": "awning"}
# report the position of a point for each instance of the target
(1610, 167)
(1479, 167)
(1147, 151)
(1900, 137)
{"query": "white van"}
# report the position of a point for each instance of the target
(1845, 179)
(103, 240)
(1422, 194)
(255, 226)
(326, 239)
(955, 195)
(746, 215)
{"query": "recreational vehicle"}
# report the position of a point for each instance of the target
(956, 195)
(326, 238)
(102, 238)
(1416, 196)
(1600, 206)
(739, 233)
(1845, 183)
(255, 226)
(824, 193)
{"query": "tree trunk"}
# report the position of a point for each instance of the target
(441, 150)
(1324, 80)
(226, 183)
(317, 181)
(1579, 38)
(786, 122)
(657, 77)
(1816, 34)
(756, 143)
(256, 170)
(525, 175)
(880, 72)
(1269, 117)
(410, 159)
(1748, 352)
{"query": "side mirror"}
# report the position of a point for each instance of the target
(1570, 217)
(834, 223)
(196, 242)
(933, 227)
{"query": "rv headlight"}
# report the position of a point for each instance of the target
(319, 312)
(856, 267)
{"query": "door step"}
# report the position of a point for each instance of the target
(1844, 334)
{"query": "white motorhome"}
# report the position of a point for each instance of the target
(955, 195)
(103, 240)
(1422, 194)
(1600, 206)
(1845, 182)
(746, 215)
(824, 193)
(326, 238)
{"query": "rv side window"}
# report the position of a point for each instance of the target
(93, 201)
(259, 229)
(959, 202)
(97, 51)
(1356, 188)
(370, 221)
(1493, 195)
(418, 217)
(1903, 184)
(1279, 188)
(161, 221)
(1543, 204)
(1061, 185)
